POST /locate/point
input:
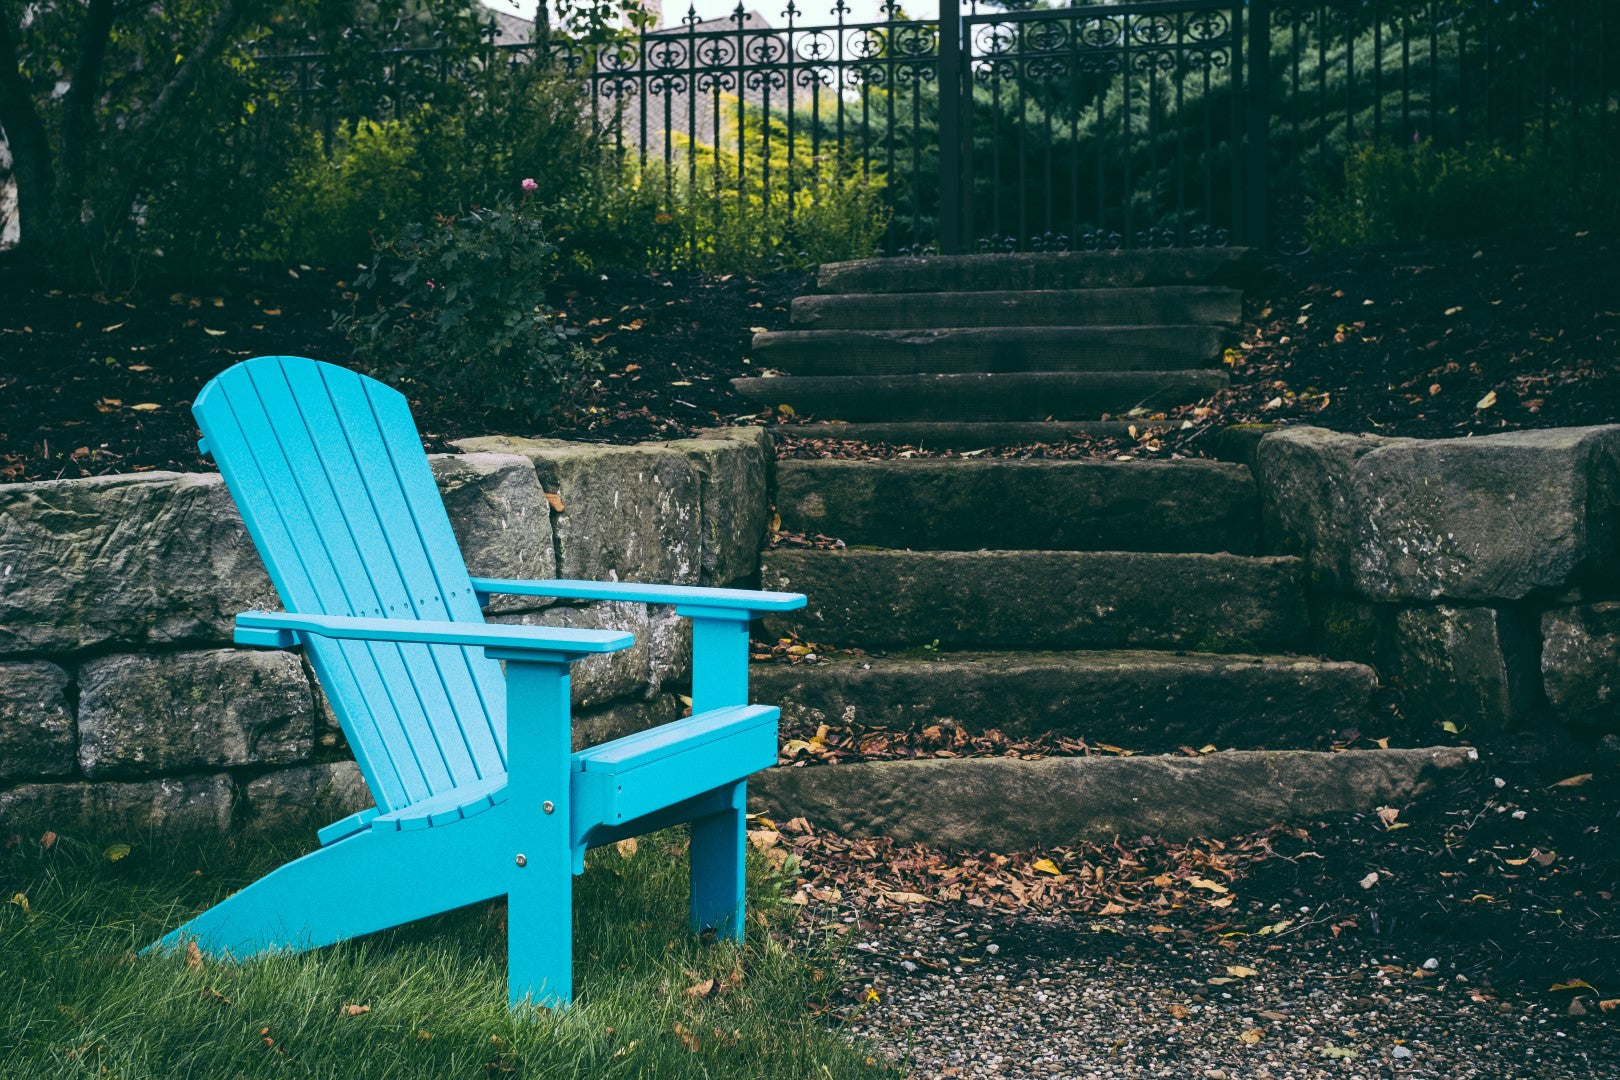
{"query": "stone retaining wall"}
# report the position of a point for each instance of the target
(123, 702)
(1480, 574)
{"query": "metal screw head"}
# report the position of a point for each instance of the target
(522, 860)
(547, 806)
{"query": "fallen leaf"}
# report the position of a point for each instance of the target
(702, 990)
(194, 956)
(906, 897)
(1240, 972)
(1369, 881)
(1047, 866)
(555, 500)
(1573, 984)
(356, 1010)
(688, 1040)
(1179, 1011)
(1337, 1052)
(48, 840)
(114, 852)
(110, 329)
(626, 847)
(1112, 908)
(1453, 310)
(140, 367)
(213, 333)
(1450, 727)
(1205, 883)
(1609, 1004)
(1487, 401)
(1251, 1036)
(146, 406)
(22, 901)
(1574, 781)
(272, 311)
(1160, 928)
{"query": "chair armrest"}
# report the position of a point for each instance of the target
(281, 629)
(712, 601)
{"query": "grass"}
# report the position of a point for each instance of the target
(75, 1001)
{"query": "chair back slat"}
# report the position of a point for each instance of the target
(328, 471)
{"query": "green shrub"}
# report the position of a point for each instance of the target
(455, 313)
(366, 181)
(1394, 194)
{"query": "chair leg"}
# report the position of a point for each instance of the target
(718, 842)
(540, 929)
(363, 883)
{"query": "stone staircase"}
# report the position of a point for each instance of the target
(1001, 341)
(1123, 603)
(1129, 604)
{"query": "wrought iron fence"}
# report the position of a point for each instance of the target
(1095, 125)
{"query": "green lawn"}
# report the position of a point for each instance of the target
(425, 1001)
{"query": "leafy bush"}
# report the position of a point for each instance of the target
(1394, 194)
(714, 211)
(455, 312)
(367, 180)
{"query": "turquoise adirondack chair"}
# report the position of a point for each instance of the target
(477, 793)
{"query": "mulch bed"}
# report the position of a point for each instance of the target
(1434, 342)
(1511, 875)
(93, 384)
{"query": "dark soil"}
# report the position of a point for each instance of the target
(1509, 877)
(1395, 342)
(93, 384)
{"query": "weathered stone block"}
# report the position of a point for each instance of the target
(172, 804)
(147, 714)
(160, 557)
(602, 678)
(630, 513)
(295, 796)
(1308, 497)
(1493, 518)
(501, 517)
(999, 505)
(1006, 804)
(1346, 628)
(36, 726)
(1580, 664)
(624, 718)
(733, 503)
(1040, 599)
(1466, 665)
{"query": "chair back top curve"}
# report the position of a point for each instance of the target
(327, 469)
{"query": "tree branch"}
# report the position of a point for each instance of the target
(213, 42)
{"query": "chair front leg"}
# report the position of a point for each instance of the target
(539, 920)
(719, 858)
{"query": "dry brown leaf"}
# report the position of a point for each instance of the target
(356, 1010)
(626, 847)
(47, 840)
(194, 956)
(704, 989)
(1047, 866)
(555, 500)
(906, 897)
(1239, 971)
(1251, 1036)
(1574, 781)
(692, 1043)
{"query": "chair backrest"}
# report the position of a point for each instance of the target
(328, 471)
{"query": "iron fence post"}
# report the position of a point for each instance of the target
(950, 127)
(1257, 136)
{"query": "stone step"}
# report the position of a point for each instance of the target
(971, 505)
(971, 434)
(988, 349)
(1061, 395)
(1155, 306)
(1008, 804)
(1038, 270)
(1040, 599)
(1141, 700)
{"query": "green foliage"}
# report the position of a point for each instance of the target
(337, 197)
(77, 1002)
(722, 209)
(1393, 194)
(455, 312)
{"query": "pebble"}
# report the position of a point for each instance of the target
(1060, 997)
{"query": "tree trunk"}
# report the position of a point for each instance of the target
(29, 145)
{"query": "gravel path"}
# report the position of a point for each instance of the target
(1056, 996)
